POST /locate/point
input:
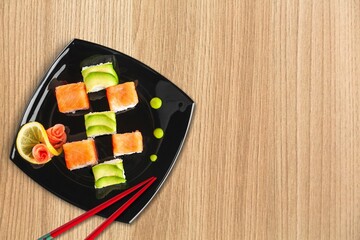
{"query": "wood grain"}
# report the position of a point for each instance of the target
(273, 151)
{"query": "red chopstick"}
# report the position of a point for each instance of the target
(56, 232)
(117, 213)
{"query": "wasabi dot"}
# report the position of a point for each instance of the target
(153, 157)
(158, 133)
(155, 103)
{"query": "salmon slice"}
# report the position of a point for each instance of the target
(127, 143)
(72, 97)
(122, 96)
(80, 154)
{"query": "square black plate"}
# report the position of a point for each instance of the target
(77, 187)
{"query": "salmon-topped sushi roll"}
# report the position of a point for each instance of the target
(72, 97)
(122, 96)
(127, 143)
(80, 154)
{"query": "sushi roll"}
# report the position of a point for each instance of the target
(122, 96)
(80, 154)
(100, 123)
(99, 77)
(109, 173)
(72, 97)
(127, 143)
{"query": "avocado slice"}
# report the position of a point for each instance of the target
(109, 173)
(107, 170)
(100, 120)
(108, 181)
(100, 123)
(107, 119)
(96, 81)
(99, 130)
(108, 114)
(117, 162)
(102, 67)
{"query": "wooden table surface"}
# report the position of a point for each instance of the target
(273, 150)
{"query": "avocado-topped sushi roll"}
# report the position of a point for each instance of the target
(100, 123)
(109, 173)
(72, 97)
(80, 154)
(122, 96)
(100, 76)
(127, 143)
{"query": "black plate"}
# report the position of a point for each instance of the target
(77, 187)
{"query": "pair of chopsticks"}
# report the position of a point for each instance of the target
(56, 232)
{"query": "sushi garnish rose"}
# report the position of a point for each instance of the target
(57, 135)
(41, 153)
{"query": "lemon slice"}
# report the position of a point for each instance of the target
(29, 135)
